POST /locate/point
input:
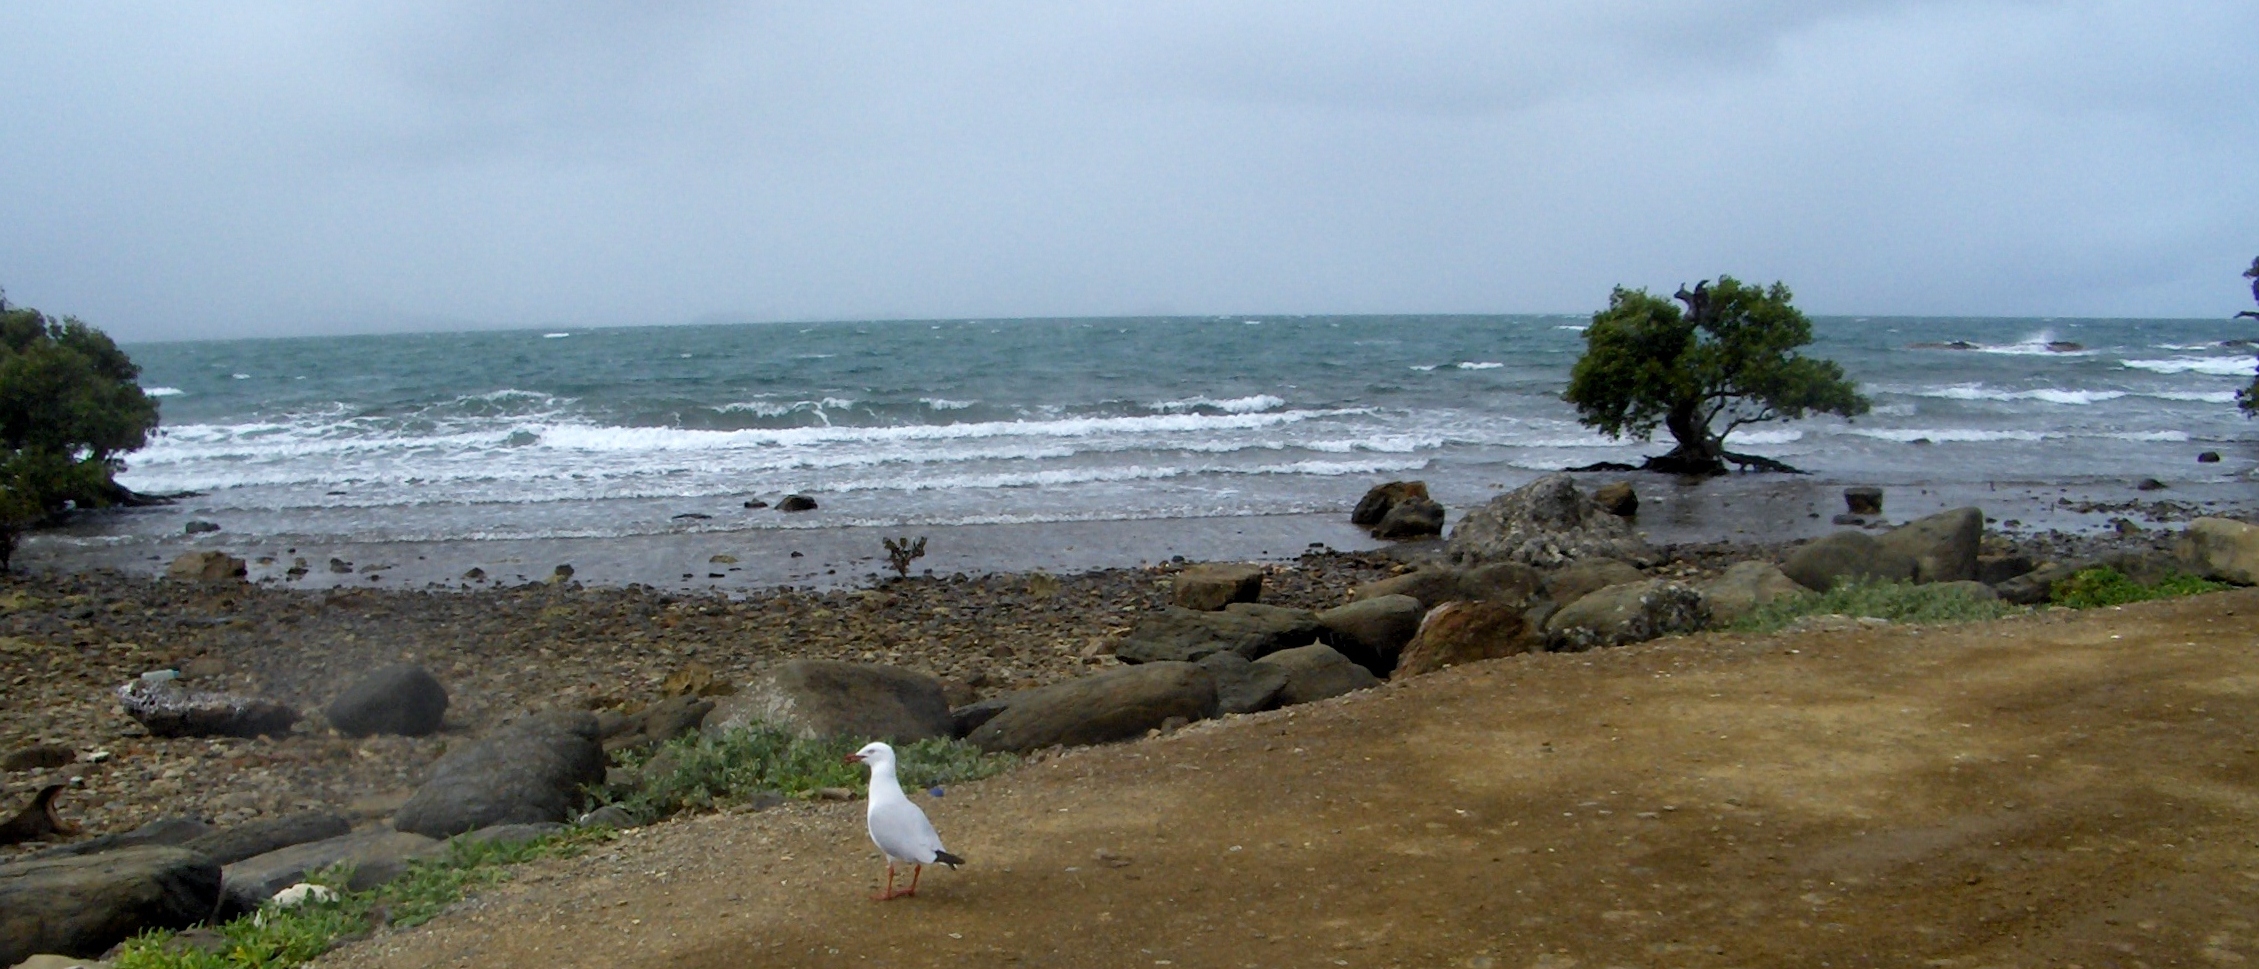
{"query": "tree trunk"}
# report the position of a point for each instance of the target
(1697, 452)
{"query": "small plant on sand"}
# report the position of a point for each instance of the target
(2089, 588)
(900, 552)
(278, 938)
(698, 772)
(1895, 601)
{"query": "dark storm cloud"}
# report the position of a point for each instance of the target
(279, 169)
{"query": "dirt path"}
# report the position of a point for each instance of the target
(2052, 790)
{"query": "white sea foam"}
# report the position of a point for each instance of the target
(1759, 438)
(1572, 327)
(1235, 405)
(2149, 435)
(555, 336)
(1423, 367)
(1905, 435)
(2236, 366)
(163, 391)
(1479, 365)
(2048, 395)
(2195, 396)
(939, 403)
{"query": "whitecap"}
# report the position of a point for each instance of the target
(555, 336)
(1479, 365)
(940, 403)
(2195, 396)
(1423, 368)
(2149, 435)
(163, 391)
(1945, 435)
(1573, 328)
(2238, 366)
(1254, 404)
(1765, 437)
(2048, 395)
(241, 376)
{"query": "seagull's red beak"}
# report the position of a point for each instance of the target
(853, 759)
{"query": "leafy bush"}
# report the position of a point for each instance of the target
(698, 772)
(68, 407)
(279, 938)
(1895, 601)
(2105, 586)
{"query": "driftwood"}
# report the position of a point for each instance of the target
(38, 820)
(169, 711)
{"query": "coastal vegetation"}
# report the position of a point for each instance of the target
(1876, 599)
(701, 773)
(69, 406)
(1727, 360)
(2248, 397)
(2089, 588)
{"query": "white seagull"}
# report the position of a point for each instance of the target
(900, 830)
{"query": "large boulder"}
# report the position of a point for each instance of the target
(1118, 704)
(1617, 498)
(1629, 613)
(403, 699)
(529, 771)
(1820, 564)
(1583, 577)
(1456, 633)
(814, 698)
(1943, 546)
(1316, 672)
(206, 566)
(171, 831)
(1249, 629)
(1243, 686)
(1544, 523)
(170, 710)
(1382, 497)
(377, 856)
(2222, 549)
(1509, 582)
(1746, 586)
(81, 905)
(234, 844)
(1411, 518)
(1210, 587)
(1372, 632)
(2038, 585)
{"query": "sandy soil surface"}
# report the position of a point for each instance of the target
(2055, 789)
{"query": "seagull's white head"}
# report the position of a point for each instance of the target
(876, 754)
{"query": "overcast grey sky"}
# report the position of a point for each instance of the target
(183, 170)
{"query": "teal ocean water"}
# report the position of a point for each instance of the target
(636, 431)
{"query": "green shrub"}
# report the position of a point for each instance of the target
(69, 406)
(1895, 601)
(276, 939)
(698, 772)
(2106, 586)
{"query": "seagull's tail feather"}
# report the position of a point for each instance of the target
(945, 858)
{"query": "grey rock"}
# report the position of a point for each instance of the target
(968, 718)
(1863, 500)
(1511, 583)
(1617, 498)
(828, 698)
(1943, 546)
(198, 527)
(1249, 629)
(1825, 561)
(507, 834)
(206, 566)
(530, 770)
(403, 699)
(1995, 569)
(1431, 586)
(1585, 576)
(1317, 672)
(1629, 613)
(168, 831)
(1746, 586)
(81, 905)
(1243, 686)
(2222, 549)
(1544, 523)
(38, 757)
(796, 503)
(2038, 585)
(1372, 632)
(1411, 518)
(1457, 633)
(377, 856)
(1377, 501)
(167, 709)
(1210, 587)
(1118, 704)
(234, 844)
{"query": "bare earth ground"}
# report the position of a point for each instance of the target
(2057, 789)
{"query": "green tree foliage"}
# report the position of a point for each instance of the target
(69, 406)
(2248, 397)
(1728, 359)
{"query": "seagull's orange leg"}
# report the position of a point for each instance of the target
(915, 871)
(888, 895)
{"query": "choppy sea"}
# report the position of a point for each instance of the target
(594, 433)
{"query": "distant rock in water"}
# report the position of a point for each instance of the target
(2064, 346)
(796, 503)
(1946, 345)
(195, 527)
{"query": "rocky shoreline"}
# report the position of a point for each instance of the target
(67, 643)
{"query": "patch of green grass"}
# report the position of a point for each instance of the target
(698, 772)
(1895, 601)
(279, 938)
(2105, 586)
